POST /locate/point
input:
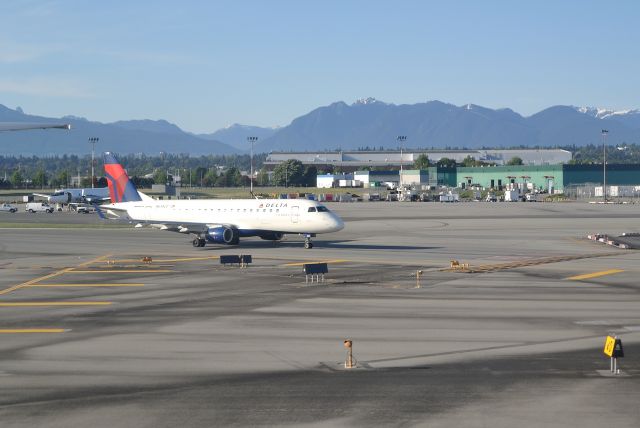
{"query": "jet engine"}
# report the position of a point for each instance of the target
(223, 235)
(272, 236)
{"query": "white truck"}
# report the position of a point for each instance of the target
(37, 207)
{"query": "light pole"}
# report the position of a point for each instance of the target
(251, 140)
(604, 165)
(401, 140)
(93, 141)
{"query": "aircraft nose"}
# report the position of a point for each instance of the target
(338, 223)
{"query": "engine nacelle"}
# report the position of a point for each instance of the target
(223, 235)
(272, 236)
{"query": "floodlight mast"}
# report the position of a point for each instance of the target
(93, 141)
(251, 140)
(604, 165)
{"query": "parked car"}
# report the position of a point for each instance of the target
(85, 209)
(36, 207)
(8, 208)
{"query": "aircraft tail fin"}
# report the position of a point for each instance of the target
(121, 189)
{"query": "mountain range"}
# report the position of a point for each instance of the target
(364, 123)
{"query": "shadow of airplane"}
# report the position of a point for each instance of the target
(332, 244)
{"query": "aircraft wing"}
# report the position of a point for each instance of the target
(22, 126)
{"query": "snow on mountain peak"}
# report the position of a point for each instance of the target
(603, 113)
(366, 101)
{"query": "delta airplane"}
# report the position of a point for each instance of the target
(222, 221)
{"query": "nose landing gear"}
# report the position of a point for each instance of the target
(307, 241)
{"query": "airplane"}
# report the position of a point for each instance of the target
(217, 221)
(20, 126)
(75, 196)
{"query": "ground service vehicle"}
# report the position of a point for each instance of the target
(37, 207)
(8, 208)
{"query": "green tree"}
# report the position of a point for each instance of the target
(516, 160)
(160, 176)
(85, 182)
(446, 163)
(469, 161)
(262, 179)
(288, 173)
(210, 178)
(310, 176)
(40, 179)
(421, 162)
(62, 180)
(17, 179)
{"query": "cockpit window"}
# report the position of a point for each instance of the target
(312, 209)
(322, 209)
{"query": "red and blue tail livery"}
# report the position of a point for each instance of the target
(121, 189)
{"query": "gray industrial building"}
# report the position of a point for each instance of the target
(354, 160)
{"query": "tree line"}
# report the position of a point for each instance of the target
(225, 170)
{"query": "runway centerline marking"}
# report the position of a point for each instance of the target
(595, 274)
(29, 304)
(30, 330)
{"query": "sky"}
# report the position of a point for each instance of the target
(204, 65)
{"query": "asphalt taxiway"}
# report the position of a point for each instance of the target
(92, 336)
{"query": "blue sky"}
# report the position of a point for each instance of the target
(206, 64)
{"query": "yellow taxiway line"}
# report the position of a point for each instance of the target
(86, 285)
(31, 330)
(51, 275)
(317, 261)
(186, 259)
(595, 274)
(80, 303)
(122, 271)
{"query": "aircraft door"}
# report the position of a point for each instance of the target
(295, 214)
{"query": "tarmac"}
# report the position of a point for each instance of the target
(92, 336)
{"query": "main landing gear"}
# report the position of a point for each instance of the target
(198, 242)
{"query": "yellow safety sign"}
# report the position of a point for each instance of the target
(609, 346)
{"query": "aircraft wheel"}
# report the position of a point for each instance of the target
(195, 242)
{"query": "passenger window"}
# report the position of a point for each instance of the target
(311, 209)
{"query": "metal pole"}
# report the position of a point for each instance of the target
(93, 141)
(401, 139)
(604, 164)
(252, 140)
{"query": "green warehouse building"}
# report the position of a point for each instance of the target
(558, 177)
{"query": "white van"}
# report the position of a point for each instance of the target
(35, 207)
